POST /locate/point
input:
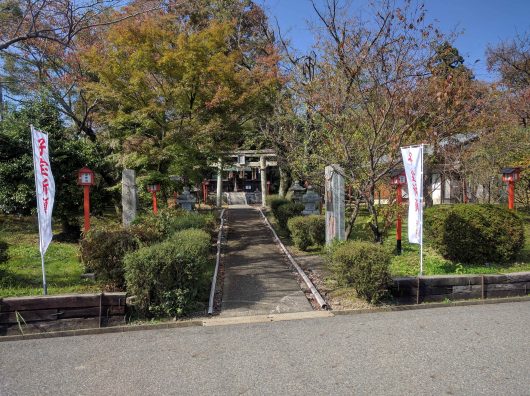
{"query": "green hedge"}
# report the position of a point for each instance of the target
(3, 251)
(363, 266)
(102, 250)
(275, 203)
(472, 233)
(299, 230)
(169, 221)
(307, 230)
(286, 211)
(167, 278)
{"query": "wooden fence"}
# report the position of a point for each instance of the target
(37, 314)
(460, 287)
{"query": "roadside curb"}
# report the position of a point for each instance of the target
(103, 330)
(217, 321)
(398, 308)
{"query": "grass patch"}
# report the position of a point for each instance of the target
(21, 275)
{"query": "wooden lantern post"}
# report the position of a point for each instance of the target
(510, 176)
(85, 178)
(153, 189)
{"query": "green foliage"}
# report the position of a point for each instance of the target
(317, 229)
(68, 153)
(299, 230)
(102, 250)
(166, 278)
(275, 203)
(475, 233)
(171, 90)
(307, 230)
(363, 266)
(3, 251)
(169, 221)
(286, 211)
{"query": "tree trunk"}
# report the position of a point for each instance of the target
(283, 183)
(353, 217)
(427, 186)
(374, 226)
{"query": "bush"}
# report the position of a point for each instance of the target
(3, 251)
(299, 229)
(169, 221)
(166, 278)
(287, 211)
(102, 250)
(275, 203)
(475, 233)
(307, 230)
(317, 229)
(363, 266)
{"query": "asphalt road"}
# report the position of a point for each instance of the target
(474, 350)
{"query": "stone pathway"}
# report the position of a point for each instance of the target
(257, 279)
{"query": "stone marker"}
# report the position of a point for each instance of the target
(334, 204)
(186, 200)
(310, 200)
(129, 196)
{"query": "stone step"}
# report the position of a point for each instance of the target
(236, 198)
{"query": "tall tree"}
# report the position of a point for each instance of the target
(511, 59)
(365, 98)
(40, 42)
(174, 91)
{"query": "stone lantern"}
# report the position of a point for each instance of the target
(311, 200)
(186, 200)
(298, 191)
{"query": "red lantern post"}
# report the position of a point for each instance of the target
(398, 179)
(205, 184)
(85, 178)
(153, 189)
(510, 176)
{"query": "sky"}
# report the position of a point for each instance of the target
(480, 22)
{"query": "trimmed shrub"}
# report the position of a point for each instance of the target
(317, 229)
(275, 203)
(167, 278)
(299, 229)
(287, 211)
(307, 230)
(102, 250)
(363, 266)
(3, 251)
(169, 221)
(475, 233)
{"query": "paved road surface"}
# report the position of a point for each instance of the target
(474, 350)
(257, 277)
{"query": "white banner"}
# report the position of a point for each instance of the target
(413, 162)
(45, 186)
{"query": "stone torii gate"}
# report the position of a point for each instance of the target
(243, 159)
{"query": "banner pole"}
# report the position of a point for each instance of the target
(421, 218)
(44, 285)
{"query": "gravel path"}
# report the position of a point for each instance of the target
(257, 279)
